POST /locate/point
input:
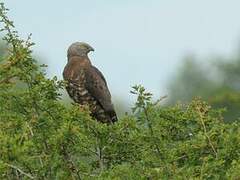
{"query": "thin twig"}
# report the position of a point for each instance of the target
(30, 129)
(70, 164)
(100, 155)
(19, 170)
(6, 80)
(160, 100)
(205, 132)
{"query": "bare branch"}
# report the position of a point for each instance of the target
(20, 171)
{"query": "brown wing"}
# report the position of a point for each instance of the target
(97, 87)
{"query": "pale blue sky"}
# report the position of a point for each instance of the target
(135, 41)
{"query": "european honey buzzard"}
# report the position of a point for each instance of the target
(86, 85)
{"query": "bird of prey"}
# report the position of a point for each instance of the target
(86, 85)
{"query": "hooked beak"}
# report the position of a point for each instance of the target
(91, 49)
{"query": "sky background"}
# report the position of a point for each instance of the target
(135, 41)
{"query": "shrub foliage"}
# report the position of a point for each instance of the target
(40, 138)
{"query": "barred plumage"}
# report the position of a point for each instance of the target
(86, 84)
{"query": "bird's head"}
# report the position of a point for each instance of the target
(79, 49)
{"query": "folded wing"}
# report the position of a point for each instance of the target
(97, 87)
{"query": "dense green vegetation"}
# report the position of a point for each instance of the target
(41, 138)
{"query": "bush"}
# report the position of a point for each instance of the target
(40, 138)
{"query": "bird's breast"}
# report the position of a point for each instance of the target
(79, 93)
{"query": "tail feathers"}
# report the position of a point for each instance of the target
(106, 117)
(113, 116)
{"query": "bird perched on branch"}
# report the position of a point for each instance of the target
(86, 85)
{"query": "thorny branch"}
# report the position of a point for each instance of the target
(205, 131)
